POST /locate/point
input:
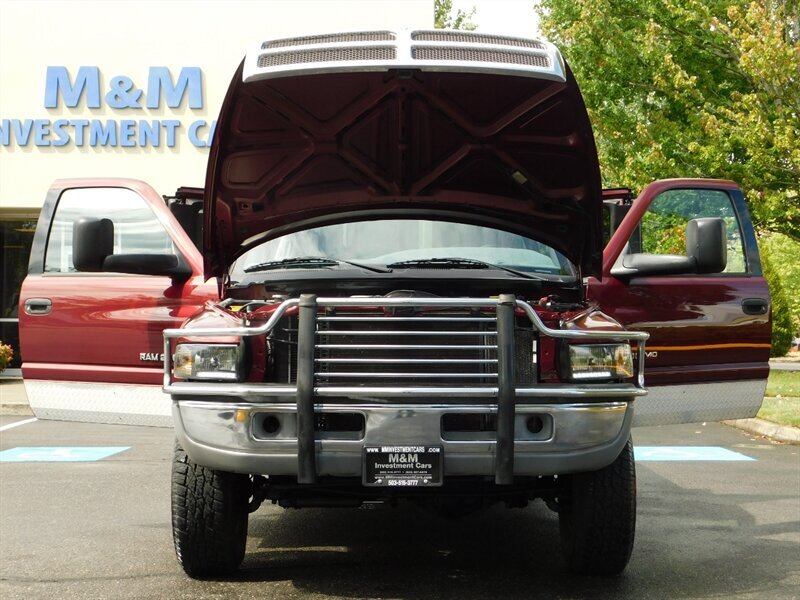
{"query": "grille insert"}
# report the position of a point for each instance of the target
(466, 54)
(321, 55)
(336, 38)
(421, 351)
(474, 38)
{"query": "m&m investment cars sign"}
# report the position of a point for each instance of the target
(122, 96)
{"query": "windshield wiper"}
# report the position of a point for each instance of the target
(303, 262)
(457, 263)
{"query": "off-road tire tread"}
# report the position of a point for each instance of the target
(597, 528)
(209, 517)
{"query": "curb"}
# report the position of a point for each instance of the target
(781, 433)
(15, 409)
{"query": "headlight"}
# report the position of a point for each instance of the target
(204, 361)
(600, 361)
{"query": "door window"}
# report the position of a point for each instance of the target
(136, 228)
(662, 229)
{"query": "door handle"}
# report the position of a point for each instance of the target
(755, 306)
(37, 306)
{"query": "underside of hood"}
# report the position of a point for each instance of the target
(478, 129)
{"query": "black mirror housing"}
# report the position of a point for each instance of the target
(706, 252)
(92, 242)
(641, 264)
(93, 252)
(148, 264)
(706, 242)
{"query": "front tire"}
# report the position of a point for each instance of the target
(597, 518)
(209, 517)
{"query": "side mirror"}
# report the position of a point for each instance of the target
(706, 252)
(706, 242)
(92, 242)
(93, 252)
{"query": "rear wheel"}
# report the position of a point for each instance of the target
(209, 517)
(597, 517)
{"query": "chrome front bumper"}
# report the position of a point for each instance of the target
(583, 436)
(576, 437)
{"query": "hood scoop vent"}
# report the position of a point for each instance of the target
(433, 50)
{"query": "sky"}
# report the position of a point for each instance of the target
(510, 17)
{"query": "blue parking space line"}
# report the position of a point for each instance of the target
(687, 453)
(59, 453)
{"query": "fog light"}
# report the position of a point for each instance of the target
(535, 424)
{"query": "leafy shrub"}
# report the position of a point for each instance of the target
(784, 253)
(782, 326)
(6, 354)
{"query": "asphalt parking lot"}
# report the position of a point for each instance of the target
(727, 527)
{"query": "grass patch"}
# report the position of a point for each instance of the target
(785, 411)
(782, 402)
(783, 383)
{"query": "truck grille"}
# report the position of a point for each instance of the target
(372, 349)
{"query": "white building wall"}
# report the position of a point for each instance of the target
(126, 38)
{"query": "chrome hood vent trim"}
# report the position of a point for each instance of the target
(404, 49)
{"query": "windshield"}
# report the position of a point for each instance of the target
(390, 241)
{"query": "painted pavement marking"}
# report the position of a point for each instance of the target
(687, 453)
(95, 453)
(17, 424)
(59, 453)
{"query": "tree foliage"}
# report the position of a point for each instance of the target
(691, 88)
(782, 327)
(784, 254)
(445, 18)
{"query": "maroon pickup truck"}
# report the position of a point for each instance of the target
(410, 286)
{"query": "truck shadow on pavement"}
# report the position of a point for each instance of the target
(690, 543)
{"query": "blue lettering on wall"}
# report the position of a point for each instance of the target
(80, 127)
(160, 81)
(196, 133)
(58, 84)
(171, 126)
(59, 130)
(87, 88)
(126, 133)
(41, 132)
(104, 134)
(123, 94)
(149, 133)
(23, 130)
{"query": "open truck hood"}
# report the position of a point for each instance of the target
(445, 124)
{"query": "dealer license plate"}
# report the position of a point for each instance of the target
(403, 466)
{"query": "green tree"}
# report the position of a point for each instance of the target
(782, 327)
(691, 88)
(784, 254)
(444, 18)
(694, 88)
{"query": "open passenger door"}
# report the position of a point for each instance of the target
(710, 326)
